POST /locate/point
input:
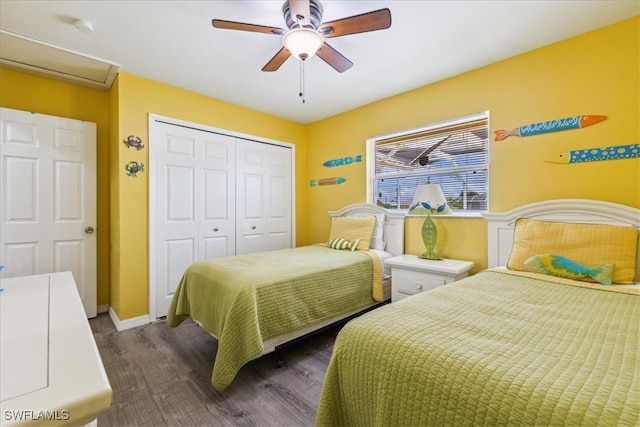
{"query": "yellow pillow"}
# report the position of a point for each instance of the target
(587, 244)
(354, 228)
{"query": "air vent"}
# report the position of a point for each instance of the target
(35, 57)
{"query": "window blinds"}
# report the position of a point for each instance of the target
(453, 154)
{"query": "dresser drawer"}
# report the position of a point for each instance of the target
(406, 283)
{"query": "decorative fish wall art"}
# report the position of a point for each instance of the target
(327, 181)
(596, 154)
(342, 161)
(575, 122)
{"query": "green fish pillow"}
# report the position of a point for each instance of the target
(559, 266)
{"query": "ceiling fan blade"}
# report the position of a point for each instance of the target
(231, 25)
(300, 8)
(370, 21)
(334, 58)
(277, 60)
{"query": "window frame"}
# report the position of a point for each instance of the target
(371, 144)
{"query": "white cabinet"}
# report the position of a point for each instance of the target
(411, 275)
(50, 366)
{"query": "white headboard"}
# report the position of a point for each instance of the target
(500, 225)
(393, 223)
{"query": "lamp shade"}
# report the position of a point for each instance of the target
(303, 43)
(429, 200)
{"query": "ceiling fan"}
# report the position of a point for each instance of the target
(306, 32)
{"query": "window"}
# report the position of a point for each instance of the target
(453, 154)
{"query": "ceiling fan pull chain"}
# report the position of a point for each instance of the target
(302, 81)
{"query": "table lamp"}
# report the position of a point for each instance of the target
(429, 200)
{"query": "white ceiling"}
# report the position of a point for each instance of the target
(174, 42)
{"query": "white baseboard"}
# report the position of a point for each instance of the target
(134, 322)
(103, 308)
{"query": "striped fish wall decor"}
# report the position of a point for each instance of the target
(328, 181)
(567, 123)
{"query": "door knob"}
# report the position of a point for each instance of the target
(88, 230)
(253, 228)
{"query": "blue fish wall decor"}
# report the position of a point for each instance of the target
(342, 161)
(596, 154)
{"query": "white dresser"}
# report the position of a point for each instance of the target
(51, 372)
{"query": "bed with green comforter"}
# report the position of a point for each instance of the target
(495, 349)
(246, 299)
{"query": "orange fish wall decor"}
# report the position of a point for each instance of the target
(328, 181)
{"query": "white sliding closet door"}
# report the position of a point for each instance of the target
(211, 195)
(192, 203)
(264, 202)
(48, 170)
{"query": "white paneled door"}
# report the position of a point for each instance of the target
(191, 209)
(264, 199)
(48, 172)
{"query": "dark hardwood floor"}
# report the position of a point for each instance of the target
(161, 376)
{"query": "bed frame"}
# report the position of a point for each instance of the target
(394, 239)
(500, 225)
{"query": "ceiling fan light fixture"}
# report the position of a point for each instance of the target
(303, 43)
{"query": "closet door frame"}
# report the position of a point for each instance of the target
(153, 206)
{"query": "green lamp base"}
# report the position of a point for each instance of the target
(431, 256)
(429, 237)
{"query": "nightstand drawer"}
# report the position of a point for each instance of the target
(406, 284)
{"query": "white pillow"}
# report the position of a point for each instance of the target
(377, 241)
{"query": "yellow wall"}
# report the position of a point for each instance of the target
(39, 95)
(137, 98)
(114, 190)
(595, 73)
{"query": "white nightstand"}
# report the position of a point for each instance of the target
(411, 275)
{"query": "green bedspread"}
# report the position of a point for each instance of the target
(246, 299)
(490, 350)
